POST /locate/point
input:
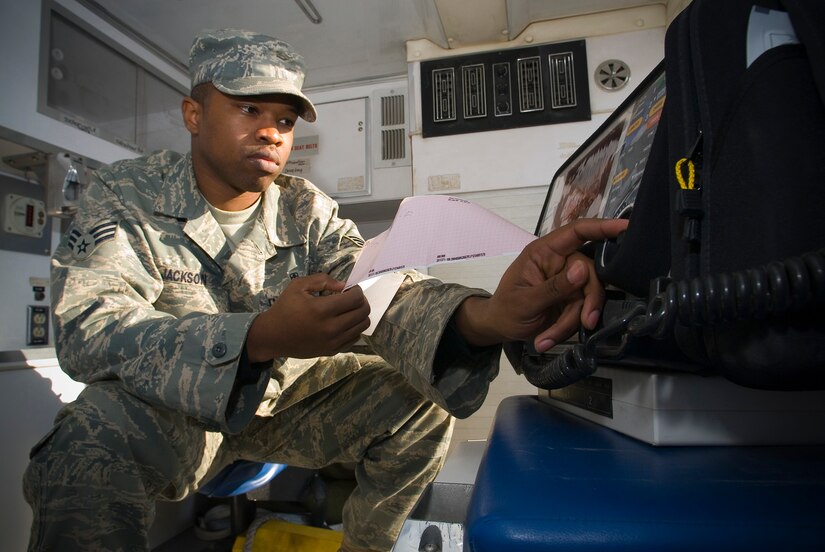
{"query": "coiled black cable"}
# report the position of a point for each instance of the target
(796, 284)
(793, 285)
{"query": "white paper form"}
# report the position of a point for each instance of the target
(428, 230)
(379, 292)
(435, 229)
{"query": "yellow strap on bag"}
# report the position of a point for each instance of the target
(690, 182)
(276, 535)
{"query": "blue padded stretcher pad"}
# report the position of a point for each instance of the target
(550, 480)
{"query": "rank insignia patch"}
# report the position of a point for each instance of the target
(83, 244)
(357, 240)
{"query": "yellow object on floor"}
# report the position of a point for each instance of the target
(277, 535)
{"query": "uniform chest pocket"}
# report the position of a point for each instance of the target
(184, 297)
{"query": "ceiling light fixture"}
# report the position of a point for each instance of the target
(310, 10)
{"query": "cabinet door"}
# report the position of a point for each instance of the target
(333, 152)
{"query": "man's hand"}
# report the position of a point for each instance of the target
(311, 318)
(545, 293)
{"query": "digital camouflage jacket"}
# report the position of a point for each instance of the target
(142, 293)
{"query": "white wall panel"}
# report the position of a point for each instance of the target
(529, 156)
(343, 103)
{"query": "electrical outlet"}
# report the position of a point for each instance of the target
(502, 88)
(37, 325)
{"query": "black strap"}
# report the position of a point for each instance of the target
(808, 19)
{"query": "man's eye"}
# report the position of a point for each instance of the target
(251, 109)
(288, 123)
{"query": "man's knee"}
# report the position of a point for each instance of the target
(108, 441)
(93, 479)
(83, 482)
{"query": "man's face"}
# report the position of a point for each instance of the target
(240, 144)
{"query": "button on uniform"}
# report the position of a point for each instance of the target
(219, 349)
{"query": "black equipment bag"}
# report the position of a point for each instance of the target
(722, 267)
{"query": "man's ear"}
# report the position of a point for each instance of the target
(191, 111)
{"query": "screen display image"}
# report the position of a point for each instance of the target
(602, 177)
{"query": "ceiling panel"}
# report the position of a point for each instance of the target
(356, 39)
(486, 22)
(520, 13)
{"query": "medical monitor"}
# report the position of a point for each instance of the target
(602, 176)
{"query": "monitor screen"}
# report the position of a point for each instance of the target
(602, 177)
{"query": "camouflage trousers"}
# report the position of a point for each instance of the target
(92, 482)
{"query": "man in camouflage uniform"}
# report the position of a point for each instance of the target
(203, 306)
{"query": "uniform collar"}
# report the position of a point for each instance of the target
(284, 233)
(182, 199)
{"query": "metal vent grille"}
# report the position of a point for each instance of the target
(444, 95)
(562, 81)
(393, 140)
(612, 75)
(393, 144)
(390, 135)
(530, 90)
(392, 110)
(474, 89)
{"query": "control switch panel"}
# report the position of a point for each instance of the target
(23, 215)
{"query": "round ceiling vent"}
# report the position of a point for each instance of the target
(612, 75)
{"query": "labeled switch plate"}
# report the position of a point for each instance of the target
(444, 183)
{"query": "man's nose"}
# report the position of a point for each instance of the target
(270, 135)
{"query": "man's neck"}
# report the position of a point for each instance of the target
(234, 203)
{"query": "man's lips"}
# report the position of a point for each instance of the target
(266, 161)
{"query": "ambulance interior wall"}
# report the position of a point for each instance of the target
(32, 391)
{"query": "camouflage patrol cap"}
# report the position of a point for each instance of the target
(243, 63)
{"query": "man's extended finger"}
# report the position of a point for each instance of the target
(567, 239)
